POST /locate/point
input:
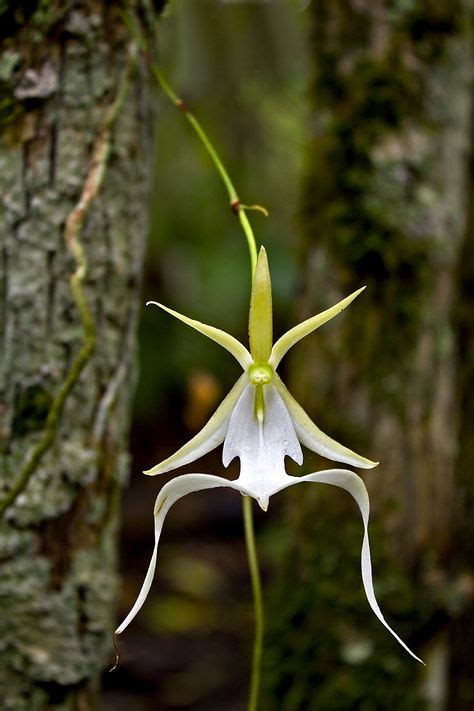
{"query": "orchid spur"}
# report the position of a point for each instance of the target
(260, 423)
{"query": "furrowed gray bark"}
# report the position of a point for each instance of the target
(75, 157)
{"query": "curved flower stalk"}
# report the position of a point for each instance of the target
(261, 423)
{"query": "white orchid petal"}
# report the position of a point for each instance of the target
(210, 437)
(312, 437)
(261, 446)
(295, 334)
(169, 494)
(353, 484)
(224, 339)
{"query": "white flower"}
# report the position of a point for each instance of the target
(261, 423)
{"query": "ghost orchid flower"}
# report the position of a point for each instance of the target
(260, 423)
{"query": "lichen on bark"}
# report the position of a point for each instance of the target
(63, 69)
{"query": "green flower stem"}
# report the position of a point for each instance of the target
(247, 228)
(229, 185)
(240, 211)
(234, 199)
(199, 130)
(257, 601)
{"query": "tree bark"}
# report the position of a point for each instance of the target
(74, 172)
(384, 205)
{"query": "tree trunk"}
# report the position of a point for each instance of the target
(385, 205)
(74, 172)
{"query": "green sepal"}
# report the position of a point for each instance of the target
(260, 316)
(210, 437)
(312, 437)
(303, 329)
(224, 339)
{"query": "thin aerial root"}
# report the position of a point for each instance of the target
(117, 655)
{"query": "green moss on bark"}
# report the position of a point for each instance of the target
(372, 195)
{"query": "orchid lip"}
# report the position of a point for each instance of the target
(189, 483)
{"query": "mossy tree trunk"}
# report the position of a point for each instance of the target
(385, 205)
(74, 172)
